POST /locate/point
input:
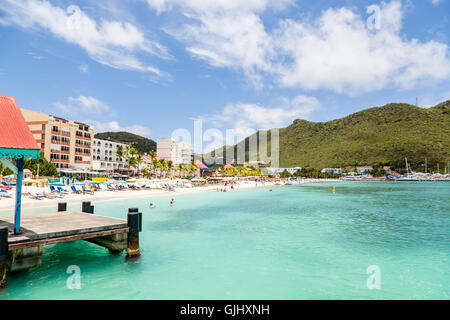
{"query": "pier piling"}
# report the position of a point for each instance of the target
(62, 206)
(140, 216)
(133, 234)
(3, 255)
(86, 206)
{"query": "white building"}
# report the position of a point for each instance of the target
(104, 156)
(171, 150)
(337, 171)
(278, 171)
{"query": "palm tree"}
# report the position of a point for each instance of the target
(163, 166)
(131, 161)
(180, 169)
(169, 166)
(139, 159)
(152, 155)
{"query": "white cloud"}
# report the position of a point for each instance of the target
(112, 43)
(82, 105)
(84, 68)
(429, 101)
(245, 119)
(435, 2)
(336, 51)
(114, 126)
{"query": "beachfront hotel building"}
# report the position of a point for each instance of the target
(171, 150)
(336, 171)
(66, 143)
(104, 156)
(277, 171)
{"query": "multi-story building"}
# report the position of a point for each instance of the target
(104, 156)
(336, 171)
(278, 171)
(171, 150)
(66, 143)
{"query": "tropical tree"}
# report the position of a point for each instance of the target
(139, 160)
(46, 168)
(120, 152)
(169, 166)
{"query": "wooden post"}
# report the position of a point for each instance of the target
(86, 206)
(62, 206)
(3, 255)
(140, 216)
(133, 235)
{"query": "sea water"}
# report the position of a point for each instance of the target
(369, 240)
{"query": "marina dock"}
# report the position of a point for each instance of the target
(24, 250)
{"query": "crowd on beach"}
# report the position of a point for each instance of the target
(76, 191)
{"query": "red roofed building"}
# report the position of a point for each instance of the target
(16, 144)
(200, 165)
(14, 131)
(228, 166)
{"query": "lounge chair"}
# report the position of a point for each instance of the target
(5, 194)
(62, 190)
(75, 190)
(35, 196)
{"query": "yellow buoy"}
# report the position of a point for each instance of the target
(334, 190)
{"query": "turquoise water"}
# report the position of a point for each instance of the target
(297, 242)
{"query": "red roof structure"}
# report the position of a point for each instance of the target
(228, 166)
(200, 165)
(14, 131)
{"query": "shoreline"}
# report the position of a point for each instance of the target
(7, 204)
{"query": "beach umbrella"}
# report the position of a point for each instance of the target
(57, 184)
(122, 181)
(78, 184)
(94, 182)
(29, 180)
(108, 182)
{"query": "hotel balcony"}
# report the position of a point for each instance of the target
(59, 160)
(61, 143)
(59, 151)
(82, 162)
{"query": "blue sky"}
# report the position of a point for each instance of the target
(151, 66)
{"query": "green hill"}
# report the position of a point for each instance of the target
(382, 135)
(142, 144)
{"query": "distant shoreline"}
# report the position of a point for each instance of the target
(7, 205)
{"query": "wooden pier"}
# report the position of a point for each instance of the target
(23, 251)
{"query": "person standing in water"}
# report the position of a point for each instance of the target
(151, 205)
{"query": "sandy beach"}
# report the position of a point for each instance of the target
(7, 204)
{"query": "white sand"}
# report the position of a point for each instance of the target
(8, 204)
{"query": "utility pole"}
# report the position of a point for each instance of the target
(426, 171)
(37, 173)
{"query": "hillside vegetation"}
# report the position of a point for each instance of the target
(381, 135)
(142, 144)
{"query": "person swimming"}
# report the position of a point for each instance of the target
(172, 202)
(151, 205)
